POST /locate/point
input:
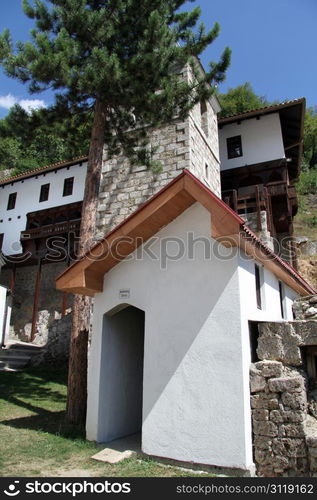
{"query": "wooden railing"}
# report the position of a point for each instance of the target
(51, 230)
(254, 200)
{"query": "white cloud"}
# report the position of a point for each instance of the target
(29, 104)
(9, 100)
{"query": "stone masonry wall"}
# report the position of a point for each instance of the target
(191, 144)
(306, 308)
(279, 410)
(56, 349)
(50, 301)
(284, 410)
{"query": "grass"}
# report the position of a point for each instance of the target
(36, 441)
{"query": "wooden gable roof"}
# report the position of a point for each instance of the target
(86, 276)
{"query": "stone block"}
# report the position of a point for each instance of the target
(267, 402)
(281, 416)
(262, 442)
(311, 311)
(260, 414)
(269, 368)
(294, 430)
(265, 428)
(286, 384)
(294, 401)
(312, 452)
(279, 342)
(264, 457)
(289, 447)
(280, 463)
(257, 383)
(313, 464)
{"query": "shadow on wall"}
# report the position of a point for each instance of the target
(122, 354)
(56, 349)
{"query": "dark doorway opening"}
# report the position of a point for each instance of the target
(121, 391)
(254, 337)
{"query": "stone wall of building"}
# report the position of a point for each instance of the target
(49, 306)
(56, 349)
(251, 221)
(284, 397)
(279, 411)
(306, 308)
(190, 144)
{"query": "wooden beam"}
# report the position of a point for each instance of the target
(36, 299)
(223, 222)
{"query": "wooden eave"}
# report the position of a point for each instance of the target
(43, 170)
(292, 114)
(86, 276)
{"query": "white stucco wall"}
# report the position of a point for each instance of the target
(261, 141)
(12, 222)
(3, 298)
(195, 399)
(271, 308)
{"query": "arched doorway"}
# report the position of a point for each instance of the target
(121, 389)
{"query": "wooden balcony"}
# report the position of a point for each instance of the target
(254, 199)
(51, 230)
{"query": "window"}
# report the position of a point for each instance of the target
(310, 355)
(45, 189)
(1, 240)
(207, 171)
(68, 186)
(282, 297)
(11, 201)
(204, 117)
(258, 286)
(234, 147)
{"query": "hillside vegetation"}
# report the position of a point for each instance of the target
(305, 223)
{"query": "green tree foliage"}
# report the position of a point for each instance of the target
(32, 140)
(123, 59)
(119, 52)
(310, 138)
(240, 99)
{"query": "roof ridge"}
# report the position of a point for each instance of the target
(269, 107)
(46, 168)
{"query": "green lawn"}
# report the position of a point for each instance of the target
(36, 441)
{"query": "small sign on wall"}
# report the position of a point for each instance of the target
(124, 293)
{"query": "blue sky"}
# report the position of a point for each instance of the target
(273, 46)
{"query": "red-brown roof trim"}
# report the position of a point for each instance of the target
(43, 170)
(260, 111)
(85, 276)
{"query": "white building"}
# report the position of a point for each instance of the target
(170, 350)
(178, 278)
(42, 189)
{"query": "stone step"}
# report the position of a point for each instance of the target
(16, 356)
(16, 353)
(22, 345)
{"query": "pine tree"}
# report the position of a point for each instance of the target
(117, 57)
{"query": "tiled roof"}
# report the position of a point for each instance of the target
(42, 170)
(172, 200)
(264, 110)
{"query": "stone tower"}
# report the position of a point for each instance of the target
(191, 144)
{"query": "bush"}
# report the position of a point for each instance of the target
(307, 183)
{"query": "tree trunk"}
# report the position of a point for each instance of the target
(77, 375)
